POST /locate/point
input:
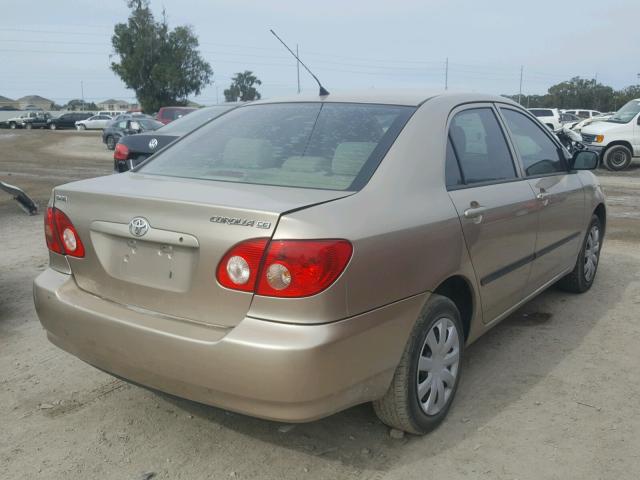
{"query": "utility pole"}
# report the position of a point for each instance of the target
(520, 91)
(82, 94)
(298, 67)
(217, 98)
(446, 74)
(638, 75)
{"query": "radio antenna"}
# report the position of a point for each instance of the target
(323, 91)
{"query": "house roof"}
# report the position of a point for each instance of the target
(34, 98)
(112, 100)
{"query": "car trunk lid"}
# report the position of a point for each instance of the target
(166, 260)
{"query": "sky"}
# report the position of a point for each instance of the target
(62, 49)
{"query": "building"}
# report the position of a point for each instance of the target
(31, 102)
(7, 103)
(113, 105)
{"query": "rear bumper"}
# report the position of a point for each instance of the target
(277, 371)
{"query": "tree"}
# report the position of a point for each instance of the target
(162, 66)
(78, 104)
(242, 87)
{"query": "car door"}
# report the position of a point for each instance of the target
(559, 194)
(496, 207)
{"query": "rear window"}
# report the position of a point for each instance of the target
(173, 113)
(542, 113)
(192, 121)
(334, 146)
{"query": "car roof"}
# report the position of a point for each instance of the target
(389, 97)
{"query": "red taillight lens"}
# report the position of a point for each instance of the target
(291, 268)
(121, 152)
(300, 268)
(61, 235)
(238, 269)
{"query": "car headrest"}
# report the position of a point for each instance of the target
(350, 156)
(306, 164)
(248, 153)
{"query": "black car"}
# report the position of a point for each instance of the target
(134, 149)
(41, 120)
(68, 120)
(121, 128)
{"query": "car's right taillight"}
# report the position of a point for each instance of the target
(60, 234)
(121, 152)
(288, 268)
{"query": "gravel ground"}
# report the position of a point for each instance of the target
(552, 392)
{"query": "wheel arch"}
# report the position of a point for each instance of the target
(459, 290)
(624, 143)
(601, 212)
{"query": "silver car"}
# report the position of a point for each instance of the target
(298, 256)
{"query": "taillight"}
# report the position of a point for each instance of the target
(238, 269)
(62, 237)
(121, 152)
(290, 268)
(300, 268)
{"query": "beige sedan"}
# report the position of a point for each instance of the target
(295, 257)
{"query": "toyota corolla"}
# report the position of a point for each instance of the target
(292, 258)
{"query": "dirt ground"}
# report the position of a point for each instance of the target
(550, 393)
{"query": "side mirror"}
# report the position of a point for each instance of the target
(585, 160)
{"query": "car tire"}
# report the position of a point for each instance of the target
(12, 125)
(28, 126)
(617, 158)
(402, 407)
(111, 142)
(52, 126)
(584, 272)
(81, 127)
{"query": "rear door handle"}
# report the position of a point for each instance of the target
(475, 213)
(543, 197)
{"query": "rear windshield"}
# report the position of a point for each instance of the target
(542, 113)
(192, 121)
(334, 146)
(174, 113)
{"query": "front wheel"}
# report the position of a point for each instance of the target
(52, 126)
(81, 127)
(28, 126)
(427, 377)
(584, 272)
(617, 158)
(12, 125)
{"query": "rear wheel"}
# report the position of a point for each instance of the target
(617, 158)
(111, 142)
(28, 126)
(12, 125)
(427, 377)
(52, 126)
(584, 272)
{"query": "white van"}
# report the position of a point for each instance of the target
(618, 138)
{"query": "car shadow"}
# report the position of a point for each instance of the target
(500, 368)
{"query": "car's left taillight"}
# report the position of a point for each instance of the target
(121, 152)
(62, 237)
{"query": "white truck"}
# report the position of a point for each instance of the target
(616, 139)
(548, 116)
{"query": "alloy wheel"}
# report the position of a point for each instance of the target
(438, 366)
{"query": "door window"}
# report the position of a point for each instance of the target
(480, 147)
(540, 156)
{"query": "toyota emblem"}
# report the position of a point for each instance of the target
(138, 226)
(153, 143)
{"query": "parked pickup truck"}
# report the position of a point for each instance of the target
(21, 120)
(616, 139)
(41, 120)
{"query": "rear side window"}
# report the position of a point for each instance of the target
(480, 146)
(335, 146)
(540, 156)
